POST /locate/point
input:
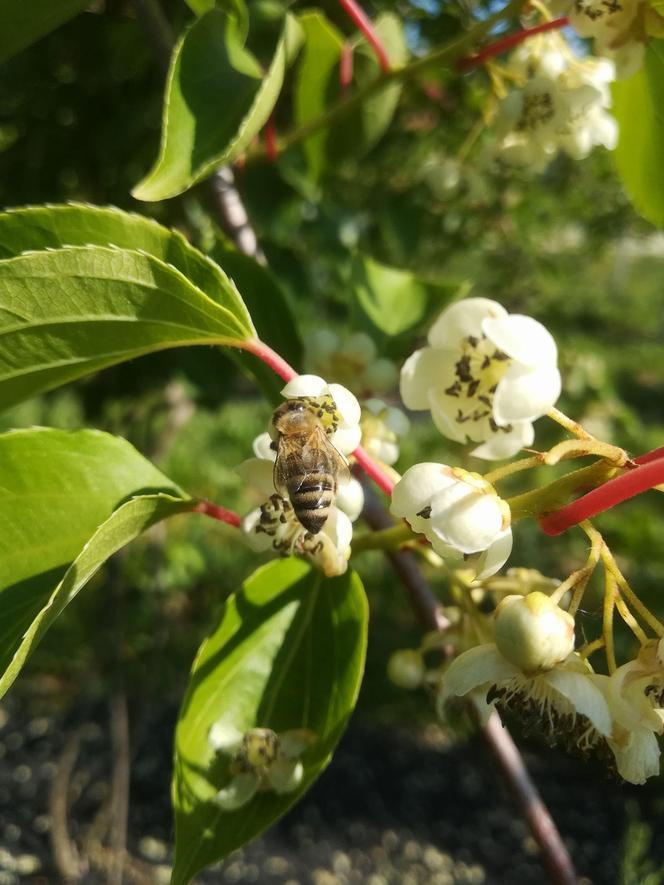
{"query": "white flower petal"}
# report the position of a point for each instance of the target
(522, 338)
(257, 473)
(505, 445)
(261, 447)
(583, 695)
(294, 742)
(415, 489)
(304, 385)
(339, 529)
(467, 518)
(442, 412)
(259, 542)
(525, 394)
(638, 758)
(350, 499)
(428, 368)
(285, 775)
(224, 737)
(347, 405)
(478, 667)
(493, 558)
(347, 439)
(241, 790)
(461, 320)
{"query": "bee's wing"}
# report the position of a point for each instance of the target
(320, 454)
(280, 473)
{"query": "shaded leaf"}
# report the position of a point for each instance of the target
(639, 108)
(66, 504)
(393, 299)
(217, 98)
(72, 311)
(24, 21)
(288, 652)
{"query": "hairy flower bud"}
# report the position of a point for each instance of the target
(533, 632)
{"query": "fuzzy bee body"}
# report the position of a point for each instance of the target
(308, 468)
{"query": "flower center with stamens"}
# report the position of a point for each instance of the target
(537, 110)
(478, 372)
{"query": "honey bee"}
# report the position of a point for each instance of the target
(308, 469)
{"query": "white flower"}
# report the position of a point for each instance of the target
(486, 376)
(348, 434)
(274, 525)
(563, 104)
(459, 513)
(619, 29)
(260, 759)
(382, 428)
(352, 361)
(563, 702)
(533, 632)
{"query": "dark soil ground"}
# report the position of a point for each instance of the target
(393, 807)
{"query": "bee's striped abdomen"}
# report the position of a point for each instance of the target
(312, 498)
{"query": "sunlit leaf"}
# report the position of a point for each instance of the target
(393, 299)
(287, 653)
(68, 501)
(639, 109)
(217, 98)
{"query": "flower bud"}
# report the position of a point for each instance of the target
(406, 668)
(533, 632)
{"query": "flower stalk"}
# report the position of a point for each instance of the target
(365, 25)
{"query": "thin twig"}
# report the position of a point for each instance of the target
(119, 810)
(65, 854)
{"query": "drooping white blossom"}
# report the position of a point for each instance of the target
(348, 434)
(459, 513)
(274, 526)
(533, 632)
(485, 376)
(382, 428)
(351, 360)
(260, 760)
(561, 102)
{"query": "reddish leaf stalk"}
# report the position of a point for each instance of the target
(365, 25)
(649, 473)
(346, 67)
(221, 514)
(374, 471)
(500, 46)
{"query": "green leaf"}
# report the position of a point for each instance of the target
(79, 224)
(217, 100)
(288, 652)
(638, 104)
(24, 21)
(319, 64)
(67, 503)
(393, 299)
(72, 311)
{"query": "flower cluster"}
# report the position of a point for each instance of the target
(486, 376)
(459, 513)
(260, 760)
(619, 28)
(532, 669)
(562, 104)
(353, 361)
(274, 525)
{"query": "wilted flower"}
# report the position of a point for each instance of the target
(459, 513)
(261, 760)
(486, 376)
(382, 428)
(352, 361)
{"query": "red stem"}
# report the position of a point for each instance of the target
(365, 25)
(346, 67)
(214, 511)
(374, 471)
(500, 46)
(649, 473)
